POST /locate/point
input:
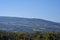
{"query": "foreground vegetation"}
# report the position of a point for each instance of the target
(29, 36)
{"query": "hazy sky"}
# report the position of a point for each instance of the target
(43, 9)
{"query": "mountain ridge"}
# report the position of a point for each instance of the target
(18, 24)
(29, 18)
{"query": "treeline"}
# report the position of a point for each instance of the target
(29, 36)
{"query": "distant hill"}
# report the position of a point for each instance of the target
(15, 24)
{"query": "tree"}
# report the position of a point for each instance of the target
(50, 36)
(21, 36)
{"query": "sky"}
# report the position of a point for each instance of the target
(42, 9)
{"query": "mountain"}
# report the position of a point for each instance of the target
(16, 24)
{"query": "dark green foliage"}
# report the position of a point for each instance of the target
(27, 36)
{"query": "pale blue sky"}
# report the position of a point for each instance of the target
(43, 9)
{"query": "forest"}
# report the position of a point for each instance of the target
(29, 36)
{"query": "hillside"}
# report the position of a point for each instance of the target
(15, 24)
